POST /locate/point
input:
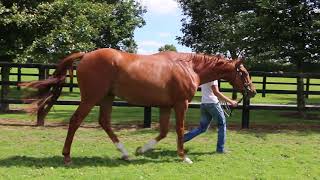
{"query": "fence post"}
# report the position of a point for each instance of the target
(40, 117)
(245, 112)
(42, 73)
(234, 94)
(5, 73)
(19, 77)
(71, 81)
(264, 84)
(147, 117)
(300, 95)
(47, 72)
(307, 87)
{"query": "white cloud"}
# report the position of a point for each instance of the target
(164, 34)
(148, 46)
(143, 51)
(160, 6)
(149, 43)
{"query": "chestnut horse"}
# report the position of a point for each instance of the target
(166, 80)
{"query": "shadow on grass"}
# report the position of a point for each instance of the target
(158, 153)
(155, 156)
(57, 161)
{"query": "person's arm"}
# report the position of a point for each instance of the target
(216, 91)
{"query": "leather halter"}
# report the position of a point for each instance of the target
(226, 108)
(246, 85)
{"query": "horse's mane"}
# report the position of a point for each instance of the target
(198, 59)
(208, 60)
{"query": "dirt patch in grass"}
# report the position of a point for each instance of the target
(297, 115)
(15, 111)
(269, 127)
(13, 122)
(155, 125)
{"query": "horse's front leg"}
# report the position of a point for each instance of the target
(180, 109)
(105, 122)
(164, 128)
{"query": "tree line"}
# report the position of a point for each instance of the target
(274, 35)
(46, 30)
(271, 32)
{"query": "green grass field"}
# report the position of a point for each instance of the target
(35, 152)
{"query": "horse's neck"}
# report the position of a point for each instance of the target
(209, 68)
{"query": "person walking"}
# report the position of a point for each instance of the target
(210, 108)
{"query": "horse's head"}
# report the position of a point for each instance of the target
(210, 68)
(240, 78)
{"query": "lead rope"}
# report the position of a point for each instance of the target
(226, 108)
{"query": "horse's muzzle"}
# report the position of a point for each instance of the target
(249, 92)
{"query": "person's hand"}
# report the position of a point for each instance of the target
(233, 103)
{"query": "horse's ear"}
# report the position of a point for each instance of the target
(242, 58)
(238, 62)
(220, 55)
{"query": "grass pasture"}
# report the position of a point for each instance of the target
(35, 152)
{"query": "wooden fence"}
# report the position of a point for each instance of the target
(43, 73)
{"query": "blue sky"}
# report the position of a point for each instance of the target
(162, 26)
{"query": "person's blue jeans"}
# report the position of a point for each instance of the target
(210, 111)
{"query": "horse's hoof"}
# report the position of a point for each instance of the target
(67, 161)
(139, 151)
(125, 158)
(187, 160)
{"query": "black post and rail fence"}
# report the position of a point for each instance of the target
(246, 106)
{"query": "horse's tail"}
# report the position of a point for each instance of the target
(50, 89)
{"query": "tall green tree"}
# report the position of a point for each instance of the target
(214, 26)
(286, 31)
(46, 30)
(291, 33)
(282, 30)
(168, 47)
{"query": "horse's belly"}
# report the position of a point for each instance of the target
(143, 94)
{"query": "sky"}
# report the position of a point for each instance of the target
(162, 26)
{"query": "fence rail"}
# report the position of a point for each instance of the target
(43, 73)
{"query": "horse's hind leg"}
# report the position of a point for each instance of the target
(105, 122)
(164, 128)
(75, 121)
